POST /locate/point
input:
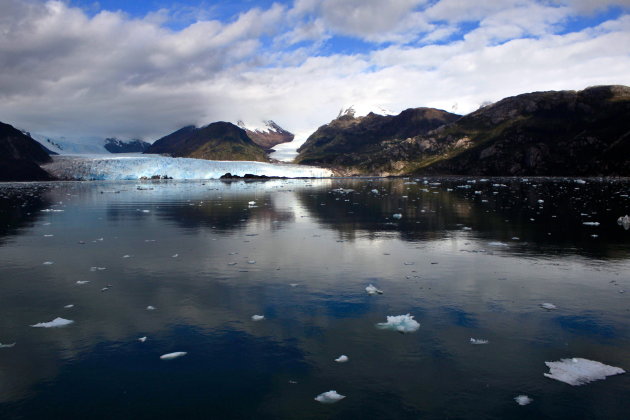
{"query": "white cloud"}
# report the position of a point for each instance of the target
(64, 73)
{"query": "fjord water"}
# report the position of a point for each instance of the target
(468, 258)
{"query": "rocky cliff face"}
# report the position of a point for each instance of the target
(543, 133)
(268, 136)
(217, 141)
(20, 156)
(573, 133)
(370, 144)
(114, 145)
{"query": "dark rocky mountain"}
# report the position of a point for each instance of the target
(114, 145)
(217, 141)
(362, 144)
(20, 156)
(572, 133)
(271, 135)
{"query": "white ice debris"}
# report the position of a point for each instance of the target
(497, 243)
(624, 221)
(372, 290)
(478, 341)
(590, 223)
(374, 191)
(6, 346)
(69, 306)
(55, 323)
(174, 355)
(401, 323)
(258, 317)
(142, 339)
(108, 167)
(48, 263)
(548, 306)
(578, 371)
(329, 397)
(397, 216)
(522, 399)
(82, 281)
(150, 308)
(342, 359)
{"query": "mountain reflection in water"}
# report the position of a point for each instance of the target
(467, 258)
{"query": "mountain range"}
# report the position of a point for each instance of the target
(572, 133)
(564, 133)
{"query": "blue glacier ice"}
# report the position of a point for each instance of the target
(135, 166)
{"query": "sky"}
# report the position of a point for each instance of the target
(142, 69)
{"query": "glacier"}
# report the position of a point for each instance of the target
(135, 166)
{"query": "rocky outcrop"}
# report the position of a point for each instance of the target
(217, 141)
(20, 156)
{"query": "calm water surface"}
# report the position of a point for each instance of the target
(467, 259)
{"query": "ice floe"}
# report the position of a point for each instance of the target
(150, 308)
(397, 216)
(578, 371)
(6, 346)
(258, 317)
(372, 290)
(624, 221)
(342, 359)
(55, 323)
(329, 397)
(590, 223)
(401, 323)
(548, 306)
(478, 341)
(523, 399)
(142, 339)
(174, 355)
(68, 306)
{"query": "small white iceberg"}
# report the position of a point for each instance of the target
(69, 306)
(400, 323)
(624, 221)
(397, 216)
(373, 290)
(522, 399)
(478, 341)
(142, 339)
(497, 243)
(590, 223)
(6, 346)
(548, 306)
(82, 281)
(150, 308)
(258, 317)
(329, 397)
(342, 359)
(174, 355)
(55, 323)
(578, 371)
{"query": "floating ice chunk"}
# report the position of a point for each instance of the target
(142, 339)
(578, 371)
(591, 223)
(127, 256)
(397, 216)
(496, 243)
(174, 255)
(373, 290)
(6, 346)
(374, 191)
(342, 359)
(541, 201)
(329, 397)
(258, 317)
(69, 306)
(522, 399)
(55, 323)
(624, 221)
(478, 341)
(548, 306)
(174, 355)
(580, 181)
(82, 281)
(150, 308)
(294, 284)
(48, 263)
(400, 323)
